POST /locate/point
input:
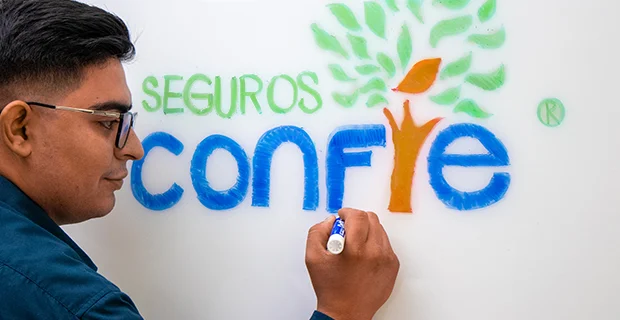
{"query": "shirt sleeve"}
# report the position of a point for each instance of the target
(115, 305)
(320, 316)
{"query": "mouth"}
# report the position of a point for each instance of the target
(117, 183)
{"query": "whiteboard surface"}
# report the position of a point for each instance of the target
(547, 249)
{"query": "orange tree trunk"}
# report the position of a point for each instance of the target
(408, 140)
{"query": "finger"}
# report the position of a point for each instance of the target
(376, 231)
(356, 226)
(319, 234)
(387, 245)
(379, 233)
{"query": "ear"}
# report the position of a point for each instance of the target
(14, 120)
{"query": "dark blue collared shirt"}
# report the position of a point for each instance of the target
(44, 274)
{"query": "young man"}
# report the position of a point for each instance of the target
(66, 138)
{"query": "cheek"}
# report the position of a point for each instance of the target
(93, 153)
(80, 152)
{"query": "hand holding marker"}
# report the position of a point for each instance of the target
(335, 244)
(352, 283)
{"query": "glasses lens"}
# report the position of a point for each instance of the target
(125, 126)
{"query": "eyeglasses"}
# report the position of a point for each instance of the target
(126, 119)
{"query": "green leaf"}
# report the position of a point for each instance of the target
(457, 67)
(451, 27)
(367, 69)
(490, 81)
(376, 99)
(375, 18)
(359, 45)
(344, 100)
(392, 5)
(452, 4)
(375, 83)
(345, 16)
(415, 6)
(387, 63)
(339, 73)
(404, 47)
(471, 108)
(487, 10)
(489, 41)
(447, 97)
(328, 42)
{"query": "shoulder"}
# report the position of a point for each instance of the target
(44, 276)
(25, 299)
(113, 305)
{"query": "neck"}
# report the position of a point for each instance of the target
(29, 187)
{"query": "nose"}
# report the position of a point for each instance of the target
(133, 148)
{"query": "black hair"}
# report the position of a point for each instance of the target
(50, 42)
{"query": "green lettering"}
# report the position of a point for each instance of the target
(315, 94)
(168, 94)
(218, 97)
(188, 95)
(271, 94)
(244, 93)
(151, 92)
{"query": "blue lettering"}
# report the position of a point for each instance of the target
(497, 156)
(359, 136)
(164, 200)
(266, 147)
(210, 198)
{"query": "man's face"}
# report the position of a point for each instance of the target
(74, 160)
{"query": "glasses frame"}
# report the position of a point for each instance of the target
(110, 114)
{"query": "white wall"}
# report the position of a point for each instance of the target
(548, 249)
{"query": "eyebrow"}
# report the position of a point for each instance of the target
(111, 106)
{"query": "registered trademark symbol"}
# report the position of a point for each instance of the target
(551, 112)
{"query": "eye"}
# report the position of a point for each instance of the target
(108, 124)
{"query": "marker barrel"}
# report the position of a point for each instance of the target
(335, 244)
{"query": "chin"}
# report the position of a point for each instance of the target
(96, 208)
(108, 206)
(102, 209)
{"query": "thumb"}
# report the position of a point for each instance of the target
(319, 234)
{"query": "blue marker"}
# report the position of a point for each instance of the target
(335, 244)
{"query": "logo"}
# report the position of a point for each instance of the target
(390, 57)
(367, 70)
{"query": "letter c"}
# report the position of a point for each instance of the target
(164, 200)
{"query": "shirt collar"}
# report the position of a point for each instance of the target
(15, 198)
